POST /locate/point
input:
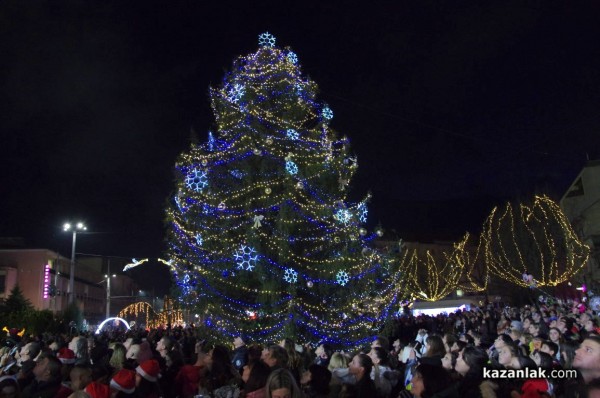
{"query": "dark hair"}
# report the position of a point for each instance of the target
(475, 358)
(450, 339)
(221, 370)
(383, 342)
(435, 379)
(436, 346)
(283, 378)
(279, 354)
(545, 359)
(328, 350)
(320, 377)
(382, 354)
(567, 354)
(506, 339)
(365, 362)
(259, 373)
(552, 346)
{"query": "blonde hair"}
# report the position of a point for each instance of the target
(338, 360)
(282, 378)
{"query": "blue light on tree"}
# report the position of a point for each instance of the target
(342, 278)
(343, 216)
(327, 113)
(292, 57)
(246, 258)
(291, 167)
(363, 211)
(199, 240)
(197, 180)
(235, 93)
(292, 134)
(266, 40)
(237, 174)
(211, 141)
(290, 276)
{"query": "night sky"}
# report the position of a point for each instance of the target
(451, 106)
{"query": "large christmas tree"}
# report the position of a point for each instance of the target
(262, 237)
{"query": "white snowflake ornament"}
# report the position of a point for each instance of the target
(290, 276)
(342, 278)
(266, 40)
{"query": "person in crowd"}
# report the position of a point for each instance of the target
(255, 375)
(469, 365)
(47, 378)
(80, 376)
(360, 367)
(379, 357)
(449, 361)
(316, 380)
(429, 380)
(567, 354)
(79, 345)
(146, 379)
(587, 359)
(323, 353)
(449, 339)
(117, 359)
(381, 341)
(295, 363)
(220, 370)
(122, 384)
(281, 384)
(9, 387)
(240, 352)
(164, 345)
(434, 350)
(338, 366)
(173, 364)
(275, 357)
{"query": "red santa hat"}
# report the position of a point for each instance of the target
(97, 390)
(66, 356)
(124, 381)
(149, 370)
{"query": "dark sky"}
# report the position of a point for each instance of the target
(451, 106)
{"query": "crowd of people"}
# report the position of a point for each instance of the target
(546, 350)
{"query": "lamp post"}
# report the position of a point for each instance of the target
(108, 293)
(68, 227)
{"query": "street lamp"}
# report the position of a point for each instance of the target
(108, 292)
(68, 227)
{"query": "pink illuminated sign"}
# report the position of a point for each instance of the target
(46, 280)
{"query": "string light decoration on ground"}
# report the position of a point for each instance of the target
(273, 168)
(429, 276)
(537, 239)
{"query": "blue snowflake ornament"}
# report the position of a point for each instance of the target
(292, 134)
(196, 180)
(199, 239)
(291, 167)
(363, 211)
(342, 278)
(235, 93)
(246, 258)
(327, 113)
(343, 216)
(290, 276)
(266, 40)
(292, 58)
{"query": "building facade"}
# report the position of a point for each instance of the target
(581, 205)
(43, 276)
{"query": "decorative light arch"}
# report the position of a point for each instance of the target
(112, 319)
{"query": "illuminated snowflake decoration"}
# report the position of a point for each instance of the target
(343, 216)
(292, 58)
(246, 258)
(266, 40)
(237, 174)
(291, 167)
(342, 278)
(362, 212)
(197, 180)
(181, 206)
(290, 276)
(235, 93)
(292, 134)
(186, 286)
(327, 113)
(199, 239)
